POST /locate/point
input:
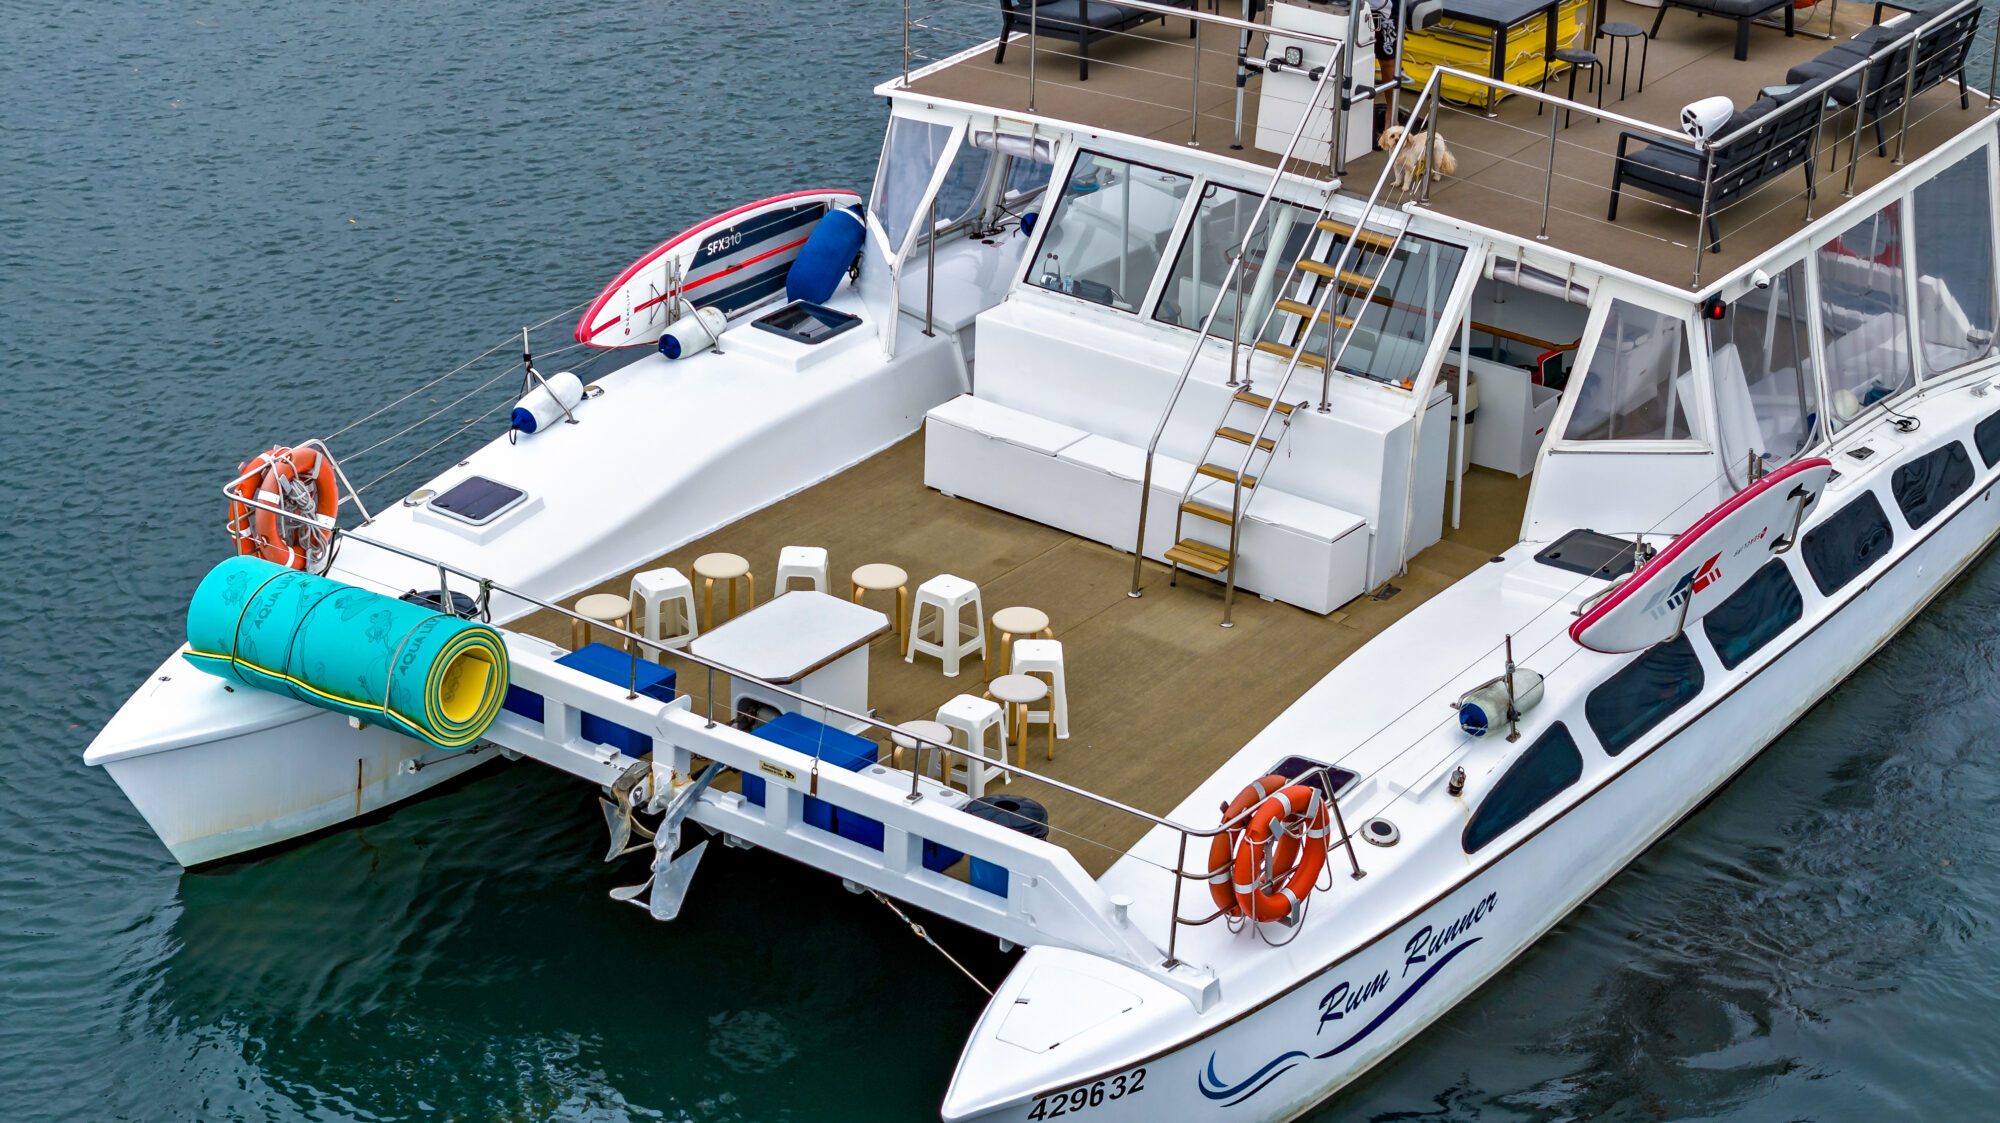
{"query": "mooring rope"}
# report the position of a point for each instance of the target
(926, 937)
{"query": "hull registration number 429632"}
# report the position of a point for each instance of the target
(1083, 1097)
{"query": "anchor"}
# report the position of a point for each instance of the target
(671, 875)
(618, 815)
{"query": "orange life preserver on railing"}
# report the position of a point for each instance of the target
(298, 480)
(1222, 848)
(1296, 816)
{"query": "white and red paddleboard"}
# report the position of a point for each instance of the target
(1702, 567)
(731, 262)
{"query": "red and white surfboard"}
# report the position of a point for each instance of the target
(1702, 567)
(731, 262)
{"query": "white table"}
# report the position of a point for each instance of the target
(805, 641)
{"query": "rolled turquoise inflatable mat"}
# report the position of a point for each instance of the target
(406, 666)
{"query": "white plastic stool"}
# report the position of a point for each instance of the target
(1045, 657)
(973, 716)
(666, 600)
(801, 563)
(948, 597)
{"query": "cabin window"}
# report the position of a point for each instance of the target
(1760, 361)
(1925, 485)
(910, 157)
(1026, 177)
(1109, 231)
(1398, 323)
(1837, 550)
(1863, 318)
(1754, 615)
(1221, 221)
(1956, 305)
(1986, 435)
(962, 194)
(1551, 764)
(1643, 693)
(1636, 386)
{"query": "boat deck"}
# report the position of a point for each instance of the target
(1140, 84)
(1160, 695)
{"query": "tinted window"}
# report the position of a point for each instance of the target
(1849, 542)
(1641, 695)
(1923, 486)
(1987, 436)
(1550, 765)
(1753, 615)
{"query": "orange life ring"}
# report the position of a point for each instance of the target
(1222, 848)
(273, 479)
(1297, 817)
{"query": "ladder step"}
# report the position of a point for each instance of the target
(1348, 279)
(1264, 444)
(1227, 475)
(1199, 556)
(1311, 359)
(1368, 238)
(1260, 401)
(1203, 510)
(1297, 309)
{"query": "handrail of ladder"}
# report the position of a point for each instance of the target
(1360, 223)
(1337, 74)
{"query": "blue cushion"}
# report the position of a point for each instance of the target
(825, 258)
(835, 747)
(602, 661)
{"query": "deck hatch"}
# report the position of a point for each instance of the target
(477, 500)
(1589, 553)
(1330, 782)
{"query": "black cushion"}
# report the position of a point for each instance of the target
(1739, 9)
(1100, 14)
(1664, 168)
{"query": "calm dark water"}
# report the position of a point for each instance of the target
(224, 223)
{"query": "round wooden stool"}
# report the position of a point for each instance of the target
(1016, 621)
(1017, 693)
(909, 733)
(601, 608)
(722, 567)
(880, 577)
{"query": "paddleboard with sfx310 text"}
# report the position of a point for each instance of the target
(1705, 565)
(732, 261)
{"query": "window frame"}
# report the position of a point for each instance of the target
(1045, 224)
(1701, 421)
(1919, 356)
(1518, 765)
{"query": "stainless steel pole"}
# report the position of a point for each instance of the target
(930, 271)
(1034, 28)
(1194, 110)
(1548, 178)
(906, 44)
(1909, 91)
(1701, 219)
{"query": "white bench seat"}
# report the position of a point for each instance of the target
(1293, 549)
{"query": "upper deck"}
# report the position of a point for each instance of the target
(1515, 175)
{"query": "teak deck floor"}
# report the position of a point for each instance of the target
(1140, 84)
(1159, 694)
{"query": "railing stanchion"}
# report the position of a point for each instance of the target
(711, 699)
(1548, 177)
(1993, 73)
(1174, 924)
(1702, 218)
(1860, 115)
(1909, 91)
(1194, 105)
(1430, 151)
(1034, 34)
(1812, 158)
(1340, 824)
(1236, 326)
(930, 273)
(906, 44)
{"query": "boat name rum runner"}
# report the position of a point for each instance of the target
(1426, 943)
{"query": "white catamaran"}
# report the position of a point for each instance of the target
(1572, 446)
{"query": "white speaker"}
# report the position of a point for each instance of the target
(1703, 118)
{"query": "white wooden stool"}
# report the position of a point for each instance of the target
(907, 736)
(1017, 693)
(974, 716)
(948, 597)
(1045, 657)
(600, 608)
(800, 563)
(665, 599)
(880, 577)
(722, 567)
(1017, 621)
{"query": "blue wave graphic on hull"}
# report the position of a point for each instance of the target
(1214, 1088)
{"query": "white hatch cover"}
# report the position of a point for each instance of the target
(1057, 1004)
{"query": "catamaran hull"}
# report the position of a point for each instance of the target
(1280, 1059)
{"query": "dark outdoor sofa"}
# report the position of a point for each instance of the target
(1779, 138)
(1082, 22)
(1944, 36)
(1742, 11)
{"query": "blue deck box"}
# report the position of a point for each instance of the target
(611, 665)
(834, 747)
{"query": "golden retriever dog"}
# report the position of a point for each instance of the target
(1409, 167)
